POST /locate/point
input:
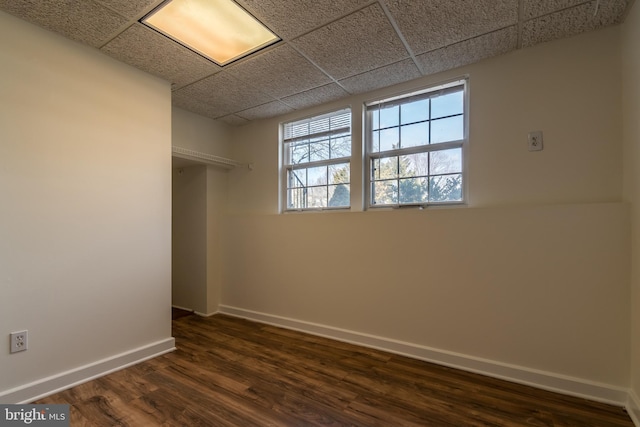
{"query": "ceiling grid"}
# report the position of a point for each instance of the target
(330, 49)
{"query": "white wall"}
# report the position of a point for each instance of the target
(533, 273)
(631, 105)
(86, 202)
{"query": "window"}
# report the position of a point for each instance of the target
(316, 162)
(415, 147)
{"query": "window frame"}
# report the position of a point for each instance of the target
(286, 166)
(369, 155)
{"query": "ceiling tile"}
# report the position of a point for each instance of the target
(469, 51)
(294, 72)
(233, 120)
(270, 109)
(132, 9)
(331, 48)
(381, 77)
(292, 18)
(359, 42)
(430, 25)
(152, 52)
(319, 95)
(535, 8)
(225, 94)
(185, 100)
(82, 20)
(575, 20)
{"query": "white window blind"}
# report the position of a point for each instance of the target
(316, 161)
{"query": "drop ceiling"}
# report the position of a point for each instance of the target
(330, 49)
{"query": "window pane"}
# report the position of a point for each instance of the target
(298, 178)
(414, 135)
(445, 188)
(447, 105)
(375, 141)
(389, 139)
(339, 174)
(317, 176)
(319, 151)
(385, 168)
(412, 132)
(340, 147)
(416, 111)
(413, 190)
(384, 192)
(414, 165)
(389, 116)
(297, 198)
(307, 188)
(299, 153)
(339, 195)
(446, 161)
(317, 197)
(444, 130)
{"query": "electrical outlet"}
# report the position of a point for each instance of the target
(535, 141)
(18, 341)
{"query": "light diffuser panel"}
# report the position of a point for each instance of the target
(218, 29)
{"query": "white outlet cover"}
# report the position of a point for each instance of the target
(19, 341)
(535, 140)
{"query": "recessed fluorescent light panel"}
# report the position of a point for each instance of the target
(218, 29)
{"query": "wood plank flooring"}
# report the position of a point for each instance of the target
(233, 372)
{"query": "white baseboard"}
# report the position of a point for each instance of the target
(53, 384)
(633, 408)
(540, 379)
(206, 314)
(196, 312)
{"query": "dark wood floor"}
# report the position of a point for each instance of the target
(232, 372)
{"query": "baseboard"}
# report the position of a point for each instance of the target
(633, 408)
(518, 374)
(196, 312)
(206, 314)
(53, 384)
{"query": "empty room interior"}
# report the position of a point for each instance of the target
(138, 174)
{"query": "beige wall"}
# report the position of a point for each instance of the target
(199, 198)
(199, 133)
(631, 105)
(199, 204)
(533, 273)
(539, 287)
(189, 238)
(217, 179)
(570, 90)
(86, 204)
